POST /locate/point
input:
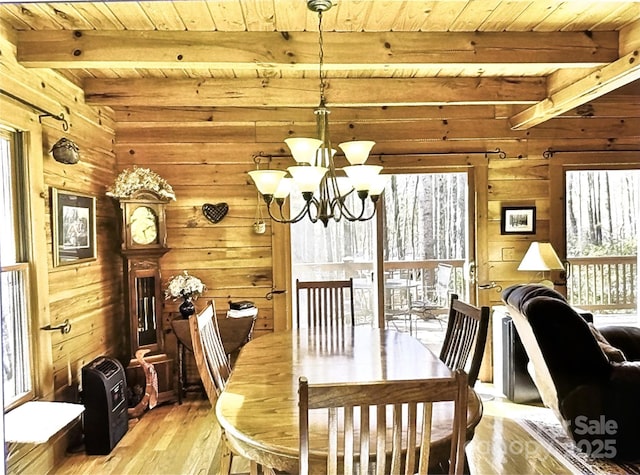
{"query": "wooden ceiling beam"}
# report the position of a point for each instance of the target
(299, 50)
(562, 97)
(305, 92)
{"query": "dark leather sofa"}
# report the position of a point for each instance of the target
(589, 377)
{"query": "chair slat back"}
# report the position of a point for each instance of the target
(327, 304)
(211, 360)
(466, 336)
(376, 422)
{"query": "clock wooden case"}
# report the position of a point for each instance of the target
(144, 242)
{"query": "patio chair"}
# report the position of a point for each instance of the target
(404, 408)
(326, 303)
(433, 305)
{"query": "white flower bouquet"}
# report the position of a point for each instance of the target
(131, 180)
(184, 285)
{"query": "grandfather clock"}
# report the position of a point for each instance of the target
(144, 242)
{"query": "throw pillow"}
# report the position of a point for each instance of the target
(613, 354)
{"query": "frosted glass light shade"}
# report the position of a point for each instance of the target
(357, 151)
(362, 176)
(267, 181)
(540, 257)
(378, 185)
(303, 149)
(307, 178)
(284, 188)
(322, 156)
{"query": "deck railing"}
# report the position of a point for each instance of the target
(424, 272)
(603, 284)
(599, 284)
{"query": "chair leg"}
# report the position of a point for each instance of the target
(225, 459)
(257, 469)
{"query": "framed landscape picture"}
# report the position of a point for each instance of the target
(74, 227)
(518, 220)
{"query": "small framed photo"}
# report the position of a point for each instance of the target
(74, 227)
(518, 220)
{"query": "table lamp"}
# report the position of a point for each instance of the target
(541, 257)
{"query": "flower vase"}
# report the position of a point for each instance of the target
(187, 308)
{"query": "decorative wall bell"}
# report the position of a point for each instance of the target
(65, 151)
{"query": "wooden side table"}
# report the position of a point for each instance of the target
(235, 332)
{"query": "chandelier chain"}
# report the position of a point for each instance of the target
(321, 73)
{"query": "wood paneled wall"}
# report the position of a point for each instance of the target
(90, 295)
(206, 154)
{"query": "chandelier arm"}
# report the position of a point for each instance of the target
(349, 214)
(316, 204)
(373, 212)
(282, 219)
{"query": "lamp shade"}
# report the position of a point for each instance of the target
(378, 184)
(303, 149)
(540, 257)
(307, 178)
(267, 181)
(362, 176)
(284, 188)
(357, 151)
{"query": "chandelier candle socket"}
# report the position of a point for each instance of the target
(324, 187)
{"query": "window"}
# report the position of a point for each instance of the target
(602, 235)
(14, 269)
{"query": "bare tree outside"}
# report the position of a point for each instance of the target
(602, 239)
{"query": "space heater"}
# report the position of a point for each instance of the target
(106, 420)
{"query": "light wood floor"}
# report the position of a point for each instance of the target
(183, 439)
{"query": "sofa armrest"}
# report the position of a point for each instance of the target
(625, 338)
(585, 314)
(626, 373)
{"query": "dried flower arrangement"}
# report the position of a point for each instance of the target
(131, 180)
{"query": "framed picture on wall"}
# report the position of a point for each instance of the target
(518, 220)
(74, 227)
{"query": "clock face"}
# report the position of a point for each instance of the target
(144, 225)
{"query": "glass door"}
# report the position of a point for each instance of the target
(338, 251)
(420, 239)
(425, 251)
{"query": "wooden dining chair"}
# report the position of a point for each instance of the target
(211, 360)
(213, 367)
(465, 337)
(403, 409)
(326, 303)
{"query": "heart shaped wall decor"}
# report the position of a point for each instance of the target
(215, 212)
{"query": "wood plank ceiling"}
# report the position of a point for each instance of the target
(541, 57)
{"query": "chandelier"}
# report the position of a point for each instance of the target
(324, 188)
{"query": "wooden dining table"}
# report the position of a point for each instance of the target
(258, 408)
